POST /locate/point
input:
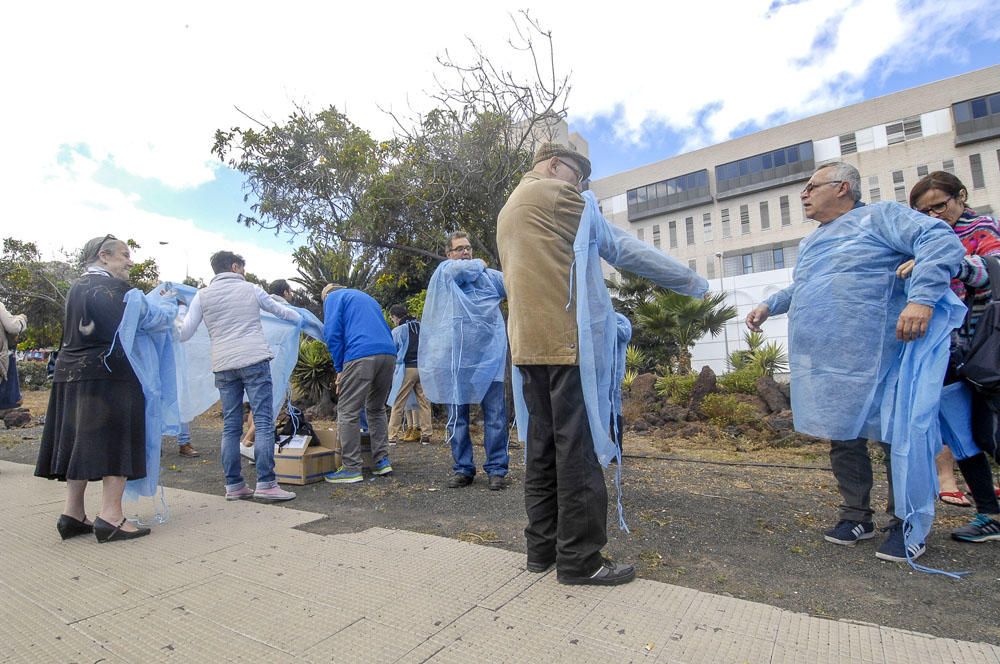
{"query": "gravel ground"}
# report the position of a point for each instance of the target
(704, 518)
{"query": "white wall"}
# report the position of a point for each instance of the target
(744, 292)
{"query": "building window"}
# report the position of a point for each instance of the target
(706, 222)
(667, 195)
(921, 171)
(672, 232)
(762, 171)
(977, 119)
(745, 219)
(779, 258)
(848, 144)
(874, 192)
(948, 165)
(689, 230)
(656, 236)
(693, 264)
(747, 263)
(786, 215)
(641, 234)
(724, 214)
(904, 130)
(710, 267)
(976, 166)
(765, 219)
(899, 186)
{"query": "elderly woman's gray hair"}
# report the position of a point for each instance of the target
(92, 250)
(845, 173)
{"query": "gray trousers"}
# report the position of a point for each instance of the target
(852, 467)
(364, 382)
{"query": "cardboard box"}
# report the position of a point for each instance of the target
(328, 438)
(304, 461)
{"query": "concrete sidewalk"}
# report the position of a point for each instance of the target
(234, 581)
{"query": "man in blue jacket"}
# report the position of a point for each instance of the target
(364, 356)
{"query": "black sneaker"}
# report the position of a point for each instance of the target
(540, 566)
(497, 483)
(608, 574)
(983, 528)
(849, 533)
(459, 480)
(894, 547)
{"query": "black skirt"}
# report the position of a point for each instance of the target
(94, 429)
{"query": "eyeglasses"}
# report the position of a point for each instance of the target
(576, 172)
(937, 208)
(465, 248)
(816, 185)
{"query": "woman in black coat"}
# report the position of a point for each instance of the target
(95, 426)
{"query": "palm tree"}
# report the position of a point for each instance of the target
(684, 320)
(319, 265)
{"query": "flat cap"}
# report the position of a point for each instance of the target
(549, 150)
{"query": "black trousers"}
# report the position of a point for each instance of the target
(564, 492)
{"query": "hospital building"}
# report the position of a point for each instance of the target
(732, 211)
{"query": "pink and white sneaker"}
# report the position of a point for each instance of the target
(242, 493)
(274, 494)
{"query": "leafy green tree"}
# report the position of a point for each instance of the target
(36, 288)
(319, 265)
(684, 320)
(453, 168)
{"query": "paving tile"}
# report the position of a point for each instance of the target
(30, 634)
(65, 588)
(421, 613)
(364, 641)
(286, 622)
(829, 639)
(902, 646)
(634, 630)
(510, 590)
(484, 635)
(752, 619)
(160, 631)
(536, 605)
(578, 649)
(711, 645)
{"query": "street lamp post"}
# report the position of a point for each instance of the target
(725, 326)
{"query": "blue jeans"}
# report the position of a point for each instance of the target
(184, 434)
(495, 436)
(256, 381)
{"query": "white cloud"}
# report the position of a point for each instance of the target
(145, 85)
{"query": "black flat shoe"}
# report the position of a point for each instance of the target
(105, 532)
(70, 527)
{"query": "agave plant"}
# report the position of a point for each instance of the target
(635, 358)
(314, 375)
(629, 378)
(771, 358)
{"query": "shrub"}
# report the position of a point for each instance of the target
(676, 387)
(32, 375)
(629, 378)
(726, 410)
(313, 375)
(741, 381)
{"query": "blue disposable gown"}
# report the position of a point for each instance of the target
(597, 323)
(910, 418)
(843, 306)
(463, 339)
(401, 337)
(177, 379)
(146, 334)
(196, 382)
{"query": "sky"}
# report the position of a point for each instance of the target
(109, 109)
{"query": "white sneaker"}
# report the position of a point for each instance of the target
(275, 494)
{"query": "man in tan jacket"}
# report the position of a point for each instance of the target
(564, 491)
